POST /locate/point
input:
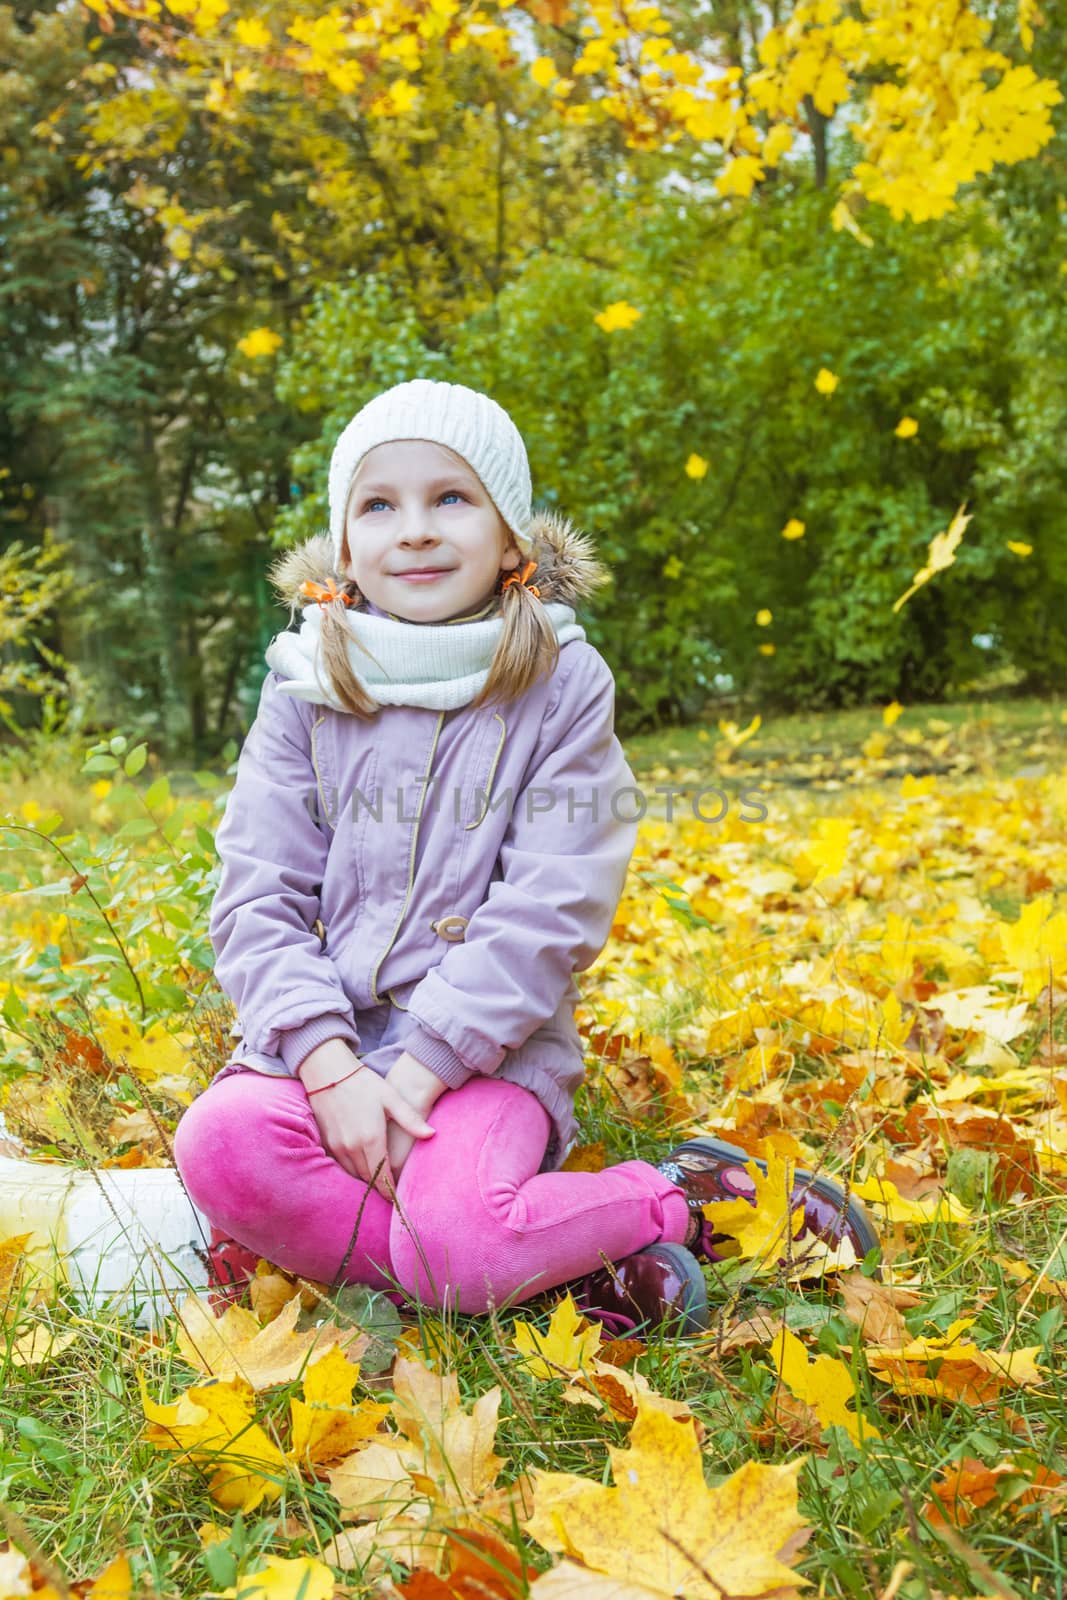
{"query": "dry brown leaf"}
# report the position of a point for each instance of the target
(875, 1308)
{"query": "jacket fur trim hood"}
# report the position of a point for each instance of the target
(568, 567)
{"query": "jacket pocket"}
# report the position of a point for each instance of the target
(482, 793)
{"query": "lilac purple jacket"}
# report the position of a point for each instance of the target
(359, 900)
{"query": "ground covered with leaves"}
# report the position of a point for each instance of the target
(867, 980)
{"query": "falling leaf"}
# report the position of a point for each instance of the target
(906, 428)
(620, 314)
(826, 381)
(763, 617)
(822, 1382)
(696, 466)
(661, 1530)
(1018, 548)
(234, 1345)
(260, 342)
(939, 557)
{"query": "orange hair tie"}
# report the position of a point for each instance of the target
(520, 578)
(324, 592)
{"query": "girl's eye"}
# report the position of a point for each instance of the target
(380, 502)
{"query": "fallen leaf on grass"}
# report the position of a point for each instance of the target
(567, 1346)
(967, 1485)
(875, 1308)
(236, 1346)
(571, 1348)
(480, 1567)
(883, 1193)
(326, 1425)
(302, 1578)
(822, 1382)
(951, 1368)
(661, 1531)
(213, 1425)
(438, 1473)
(40, 1345)
(761, 1230)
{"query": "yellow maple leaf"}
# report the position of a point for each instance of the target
(260, 342)
(822, 1382)
(213, 1425)
(794, 529)
(252, 33)
(326, 1425)
(740, 177)
(736, 736)
(620, 314)
(457, 1462)
(761, 1230)
(543, 70)
(891, 712)
(234, 1345)
(896, 1207)
(302, 1578)
(570, 1342)
(950, 1367)
(40, 1344)
(763, 617)
(1018, 548)
(696, 466)
(829, 850)
(906, 428)
(940, 555)
(659, 1528)
(1036, 944)
(826, 381)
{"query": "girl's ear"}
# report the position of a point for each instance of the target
(511, 558)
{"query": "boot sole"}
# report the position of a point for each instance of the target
(857, 1220)
(693, 1314)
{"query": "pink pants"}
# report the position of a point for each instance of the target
(476, 1224)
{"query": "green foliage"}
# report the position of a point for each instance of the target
(114, 909)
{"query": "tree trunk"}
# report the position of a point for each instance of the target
(161, 601)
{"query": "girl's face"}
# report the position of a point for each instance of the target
(415, 505)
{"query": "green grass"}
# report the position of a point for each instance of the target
(77, 1482)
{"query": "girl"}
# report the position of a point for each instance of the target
(427, 837)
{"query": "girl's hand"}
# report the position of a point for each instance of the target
(421, 1088)
(354, 1119)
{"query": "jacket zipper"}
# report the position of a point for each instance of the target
(376, 998)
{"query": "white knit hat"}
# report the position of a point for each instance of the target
(466, 420)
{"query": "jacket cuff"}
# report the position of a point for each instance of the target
(294, 1044)
(438, 1055)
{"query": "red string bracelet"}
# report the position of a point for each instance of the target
(336, 1081)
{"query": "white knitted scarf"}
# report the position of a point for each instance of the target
(439, 666)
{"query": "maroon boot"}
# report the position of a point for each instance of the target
(659, 1285)
(230, 1269)
(709, 1169)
